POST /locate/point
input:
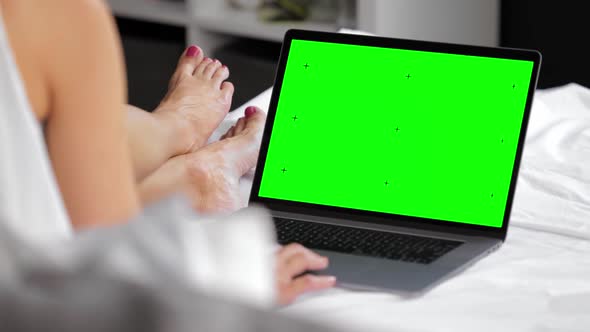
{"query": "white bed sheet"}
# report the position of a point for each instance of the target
(540, 278)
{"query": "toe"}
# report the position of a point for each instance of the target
(255, 120)
(189, 61)
(228, 133)
(247, 143)
(231, 132)
(241, 125)
(220, 75)
(227, 92)
(202, 66)
(211, 68)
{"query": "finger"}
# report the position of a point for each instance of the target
(301, 262)
(294, 248)
(305, 284)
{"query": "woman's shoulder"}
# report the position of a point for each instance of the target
(62, 12)
(49, 37)
(48, 26)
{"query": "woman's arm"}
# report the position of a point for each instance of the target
(85, 129)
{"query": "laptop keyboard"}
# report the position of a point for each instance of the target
(363, 242)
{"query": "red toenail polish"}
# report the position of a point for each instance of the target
(192, 51)
(250, 111)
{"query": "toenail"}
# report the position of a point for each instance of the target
(250, 111)
(192, 51)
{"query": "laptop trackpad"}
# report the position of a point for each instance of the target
(377, 273)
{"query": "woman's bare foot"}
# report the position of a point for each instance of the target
(210, 176)
(214, 171)
(198, 97)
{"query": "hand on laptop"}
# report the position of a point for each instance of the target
(293, 261)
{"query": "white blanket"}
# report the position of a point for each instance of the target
(540, 278)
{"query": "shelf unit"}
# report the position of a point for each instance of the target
(158, 11)
(211, 23)
(246, 24)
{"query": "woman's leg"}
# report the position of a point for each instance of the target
(197, 101)
(210, 176)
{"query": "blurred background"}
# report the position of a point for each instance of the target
(246, 34)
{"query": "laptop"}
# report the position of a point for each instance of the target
(397, 159)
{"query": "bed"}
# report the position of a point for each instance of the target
(540, 278)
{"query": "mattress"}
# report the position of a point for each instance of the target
(539, 280)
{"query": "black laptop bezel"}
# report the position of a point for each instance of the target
(384, 218)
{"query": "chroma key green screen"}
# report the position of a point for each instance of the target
(414, 133)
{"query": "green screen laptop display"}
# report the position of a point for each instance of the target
(414, 133)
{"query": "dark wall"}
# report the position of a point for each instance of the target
(152, 51)
(151, 54)
(560, 30)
